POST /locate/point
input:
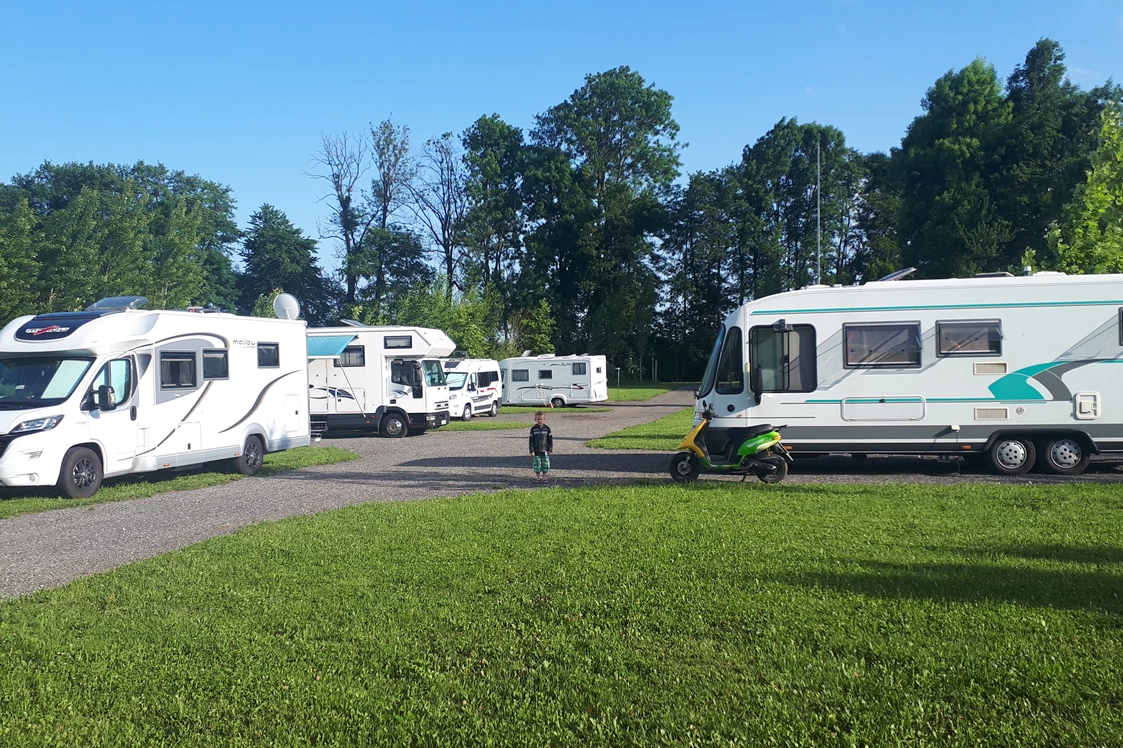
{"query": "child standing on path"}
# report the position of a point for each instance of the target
(541, 445)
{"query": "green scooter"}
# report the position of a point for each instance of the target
(753, 450)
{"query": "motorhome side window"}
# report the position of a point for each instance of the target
(353, 355)
(520, 375)
(117, 374)
(545, 374)
(398, 341)
(268, 355)
(177, 370)
(969, 338)
(216, 365)
(783, 360)
(894, 345)
(731, 365)
(486, 378)
(579, 368)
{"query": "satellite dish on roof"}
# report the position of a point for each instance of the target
(285, 306)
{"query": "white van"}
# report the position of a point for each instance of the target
(473, 387)
(115, 390)
(556, 381)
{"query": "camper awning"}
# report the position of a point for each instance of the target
(327, 346)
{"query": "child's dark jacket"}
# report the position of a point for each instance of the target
(541, 439)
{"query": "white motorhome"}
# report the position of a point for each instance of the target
(388, 380)
(557, 381)
(473, 387)
(115, 390)
(1023, 370)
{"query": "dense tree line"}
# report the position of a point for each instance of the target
(582, 234)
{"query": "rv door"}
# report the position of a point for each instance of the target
(112, 407)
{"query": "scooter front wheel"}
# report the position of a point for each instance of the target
(778, 475)
(685, 467)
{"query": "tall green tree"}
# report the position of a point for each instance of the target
(1051, 136)
(278, 255)
(1089, 238)
(948, 167)
(620, 139)
(19, 267)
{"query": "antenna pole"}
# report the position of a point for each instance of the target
(818, 212)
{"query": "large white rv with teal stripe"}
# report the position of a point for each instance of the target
(1024, 370)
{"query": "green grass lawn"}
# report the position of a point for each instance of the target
(23, 501)
(662, 434)
(631, 391)
(480, 424)
(509, 409)
(747, 615)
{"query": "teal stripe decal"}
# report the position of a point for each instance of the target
(840, 310)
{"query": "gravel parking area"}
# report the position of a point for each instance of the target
(52, 548)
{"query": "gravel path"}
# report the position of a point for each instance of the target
(51, 548)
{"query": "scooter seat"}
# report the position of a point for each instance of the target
(741, 433)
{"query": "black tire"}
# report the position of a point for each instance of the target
(494, 409)
(685, 467)
(1011, 455)
(393, 426)
(81, 474)
(467, 414)
(557, 402)
(1064, 456)
(776, 477)
(252, 457)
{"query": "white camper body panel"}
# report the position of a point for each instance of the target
(554, 380)
(385, 379)
(473, 387)
(925, 366)
(189, 388)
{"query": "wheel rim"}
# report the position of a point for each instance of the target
(1011, 455)
(557, 402)
(467, 412)
(393, 426)
(683, 466)
(84, 474)
(253, 454)
(1065, 453)
(495, 409)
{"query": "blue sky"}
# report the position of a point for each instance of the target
(240, 92)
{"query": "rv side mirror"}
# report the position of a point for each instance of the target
(105, 398)
(755, 383)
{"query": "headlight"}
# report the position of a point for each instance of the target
(453, 396)
(38, 424)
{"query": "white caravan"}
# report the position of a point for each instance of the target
(473, 387)
(552, 380)
(1019, 369)
(388, 380)
(116, 390)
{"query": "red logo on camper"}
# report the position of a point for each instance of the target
(45, 330)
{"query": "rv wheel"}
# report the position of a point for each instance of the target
(1063, 456)
(467, 412)
(494, 408)
(393, 426)
(252, 457)
(685, 467)
(557, 402)
(1011, 455)
(80, 477)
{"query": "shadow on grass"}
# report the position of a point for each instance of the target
(1094, 591)
(1101, 554)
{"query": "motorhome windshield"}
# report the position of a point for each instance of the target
(37, 382)
(434, 373)
(710, 376)
(456, 380)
